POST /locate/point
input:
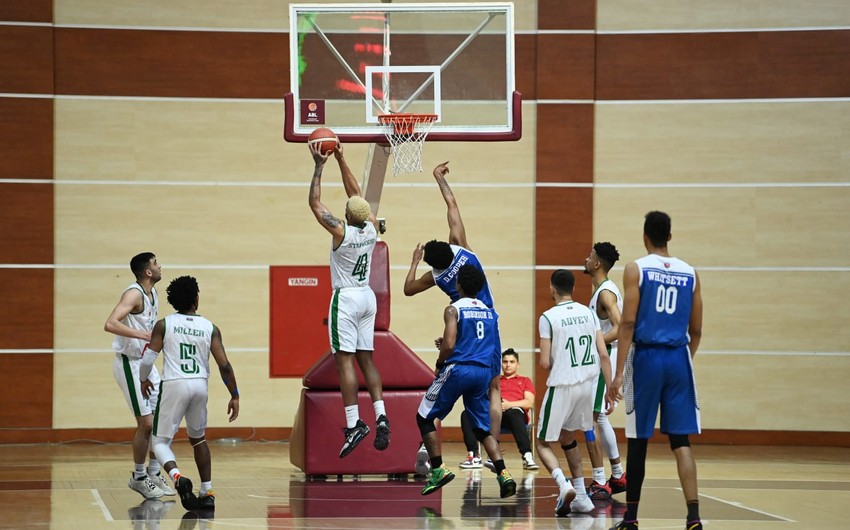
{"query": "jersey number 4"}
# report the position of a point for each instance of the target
(361, 267)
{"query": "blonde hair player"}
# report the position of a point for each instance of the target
(351, 315)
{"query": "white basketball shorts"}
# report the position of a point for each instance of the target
(351, 319)
(568, 408)
(181, 398)
(126, 373)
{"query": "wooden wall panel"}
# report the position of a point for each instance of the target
(557, 14)
(27, 10)
(26, 223)
(740, 227)
(171, 63)
(26, 59)
(563, 225)
(26, 390)
(691, 142)
(26, 138)
(723, 65)
(639, 15)
(26, 314)
(565, 139)
(565, 66)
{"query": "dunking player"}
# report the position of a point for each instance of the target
(187, 340)
(352, 309)
(469, 343)
(445, 259)
(608, 305)
(131, 321)
(662, 315)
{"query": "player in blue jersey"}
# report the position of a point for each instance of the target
(662, 317)
(468, 346)
(446, 259)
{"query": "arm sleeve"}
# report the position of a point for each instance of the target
(147, 363)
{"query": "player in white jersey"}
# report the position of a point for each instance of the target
(351, 316)
(131, 321)
(186, 340)
(607, 303)
(573, 351)
(662, 317)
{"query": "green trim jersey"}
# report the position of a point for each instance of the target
(186, 347)
(604, 323)
(142, 321)
(351, 261)
(572, 328)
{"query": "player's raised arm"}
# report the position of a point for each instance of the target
(349, 182)
(457, 232)
(323, 215)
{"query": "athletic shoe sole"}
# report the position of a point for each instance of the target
(562, 509)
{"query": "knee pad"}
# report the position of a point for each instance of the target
(570, 446)
(425, 426)
(480, 434)
(678, 440)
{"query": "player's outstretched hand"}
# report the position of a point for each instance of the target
(318, 157)
(233, 409)
(441, 170)
(338, 152)
(418, 252)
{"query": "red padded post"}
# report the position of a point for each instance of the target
(379, 280)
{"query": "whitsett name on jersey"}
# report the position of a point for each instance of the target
(669, 279)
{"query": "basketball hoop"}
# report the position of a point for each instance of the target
(406, 134)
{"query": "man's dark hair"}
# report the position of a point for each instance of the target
(657, 228)
(183, 293)
(471, 280)
(438, 254)
(510, 351)
(563, 281)
(140, 263)
(607, 254)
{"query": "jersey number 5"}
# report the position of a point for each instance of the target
(188, 359)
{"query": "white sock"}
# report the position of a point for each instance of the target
(616, 470)
(379, 408)
(139, 471)
(205, 487)
(352, 414)
(560, 479)
(153, 467)
(599, 475)
(173, 473)
(578, 484)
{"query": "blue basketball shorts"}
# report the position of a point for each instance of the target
(468, 381)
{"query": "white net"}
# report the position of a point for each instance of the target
(406, 134)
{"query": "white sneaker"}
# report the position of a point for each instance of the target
(162, 484)
(582, 504)
(471, 462)
(565, 497)
(528, 462)
(423, 462)
(146, 487)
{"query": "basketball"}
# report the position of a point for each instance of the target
(325, 137)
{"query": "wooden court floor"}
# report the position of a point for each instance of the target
(84, 486)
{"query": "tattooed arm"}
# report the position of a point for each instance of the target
(457, 232)
(330, 223)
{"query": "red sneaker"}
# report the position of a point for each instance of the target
(599, 492)
(617, 485)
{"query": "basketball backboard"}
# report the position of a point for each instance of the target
(351, 63)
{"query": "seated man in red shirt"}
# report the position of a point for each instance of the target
(517, 400)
